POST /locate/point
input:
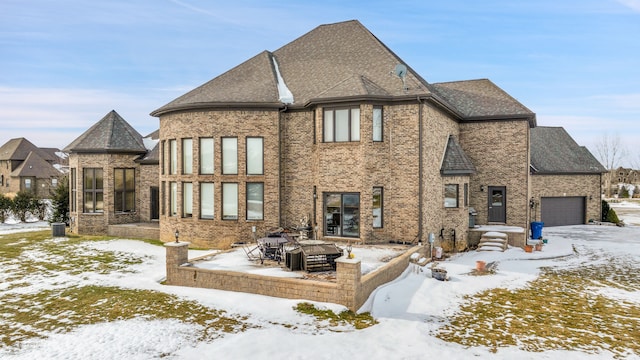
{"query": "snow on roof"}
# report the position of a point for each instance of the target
(284, 94)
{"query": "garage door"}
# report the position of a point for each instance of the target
(558, 211)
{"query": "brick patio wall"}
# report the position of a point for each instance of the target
(350, 289)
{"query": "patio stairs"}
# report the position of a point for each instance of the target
(493, 241)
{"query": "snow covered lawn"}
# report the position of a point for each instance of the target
(70, 298)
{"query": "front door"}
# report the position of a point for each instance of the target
(497, 204)
(155, 201)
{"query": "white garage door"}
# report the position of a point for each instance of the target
(558, 211)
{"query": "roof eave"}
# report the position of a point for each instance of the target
(217, 106)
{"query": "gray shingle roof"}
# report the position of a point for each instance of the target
(19, 148)
(112, 134)
(455, 161)
(553, 151)
(331, 61)
(481, 99)
(34, 165)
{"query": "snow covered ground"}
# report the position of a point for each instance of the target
(408, 309)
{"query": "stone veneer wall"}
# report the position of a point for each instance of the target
(587, 186)
(217, 124)
(350, 288)
(97, 223)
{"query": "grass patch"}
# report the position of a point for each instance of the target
(59, 304)
(561, 310)
(347, 317)
(33, 315)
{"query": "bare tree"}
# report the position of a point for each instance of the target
(610, 152)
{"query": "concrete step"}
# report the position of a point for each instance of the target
(493, 241)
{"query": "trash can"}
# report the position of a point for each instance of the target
(472, 217)
(536, 229)
(57, 229)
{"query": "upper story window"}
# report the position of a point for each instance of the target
(206, 156)
(229, 155)
(173, 157)
(377, 123)
(255, 156)
(187, 156)
(124, 190)
(93, 186)
(341, 125)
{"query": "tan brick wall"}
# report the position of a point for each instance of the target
(96, 223)
(500, 152)
(587, 186)
(218, 124)
(148, 178)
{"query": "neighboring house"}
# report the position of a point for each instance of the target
(333, 128)
(25, 167)
(113, 177)
(566, 179)
(619, 177)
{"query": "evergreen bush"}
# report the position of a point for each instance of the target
(6, 204)
(60, 202)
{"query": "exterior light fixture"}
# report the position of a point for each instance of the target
(177, 234)
(481, 187)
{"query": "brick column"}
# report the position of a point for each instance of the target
(348, 274)
(177, 254)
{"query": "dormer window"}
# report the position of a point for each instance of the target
(341, 125)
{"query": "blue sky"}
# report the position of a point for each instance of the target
(65, 64)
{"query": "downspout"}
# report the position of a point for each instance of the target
(420, 170)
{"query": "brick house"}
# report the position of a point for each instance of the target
(113, 177)
(26, 167)
(333, 128)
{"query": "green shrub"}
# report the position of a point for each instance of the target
(612, 217)
(6, 204)
(24, 202)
